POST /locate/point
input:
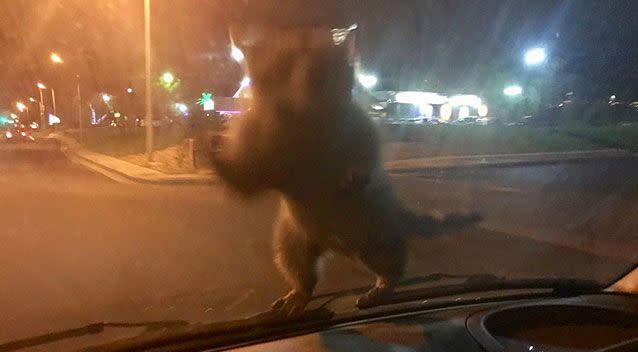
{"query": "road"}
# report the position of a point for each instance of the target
(78, 247)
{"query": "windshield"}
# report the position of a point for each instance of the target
(207, 160)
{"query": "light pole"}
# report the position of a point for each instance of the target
(22, 108)
(42, 120)
(149, 99)
(56, 60)
(31, 101)
(53, 101)
(80, 124)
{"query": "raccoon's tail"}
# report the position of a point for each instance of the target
(428, 225)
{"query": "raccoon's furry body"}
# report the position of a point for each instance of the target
(304, 138)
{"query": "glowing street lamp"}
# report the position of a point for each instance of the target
(181, 107)
(31, 99)
(367, 81)
(129, 90)
(20, 106)
(535, 56)
(245, 82)
(106, 98)
(236, 54)
(41, 86)
(55, 58)
(13, 116)
(513, 90)
(168, 78)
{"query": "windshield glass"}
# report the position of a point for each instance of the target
(200, 160)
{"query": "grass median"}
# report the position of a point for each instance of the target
(116, 142)
(399, 142)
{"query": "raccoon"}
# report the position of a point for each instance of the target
(305, 138)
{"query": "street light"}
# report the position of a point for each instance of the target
(20, 106)
(55, 58)
(236, 54)
(41, 86)
(168, 78)
(245, 82)
(367, 81)
(181, 107)
(106, 98)
(24, 107)
(31, 99)
(129, 90)
(535, 56)
(513, 90)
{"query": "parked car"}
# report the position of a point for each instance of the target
(16, 135)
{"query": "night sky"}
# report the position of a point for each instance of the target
(449, 46)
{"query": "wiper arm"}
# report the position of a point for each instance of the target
(266, 325)
(434, 277)
(484, 283)
(90, 329)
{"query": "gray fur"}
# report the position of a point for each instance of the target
(306, 139)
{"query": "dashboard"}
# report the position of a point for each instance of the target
(601, 322)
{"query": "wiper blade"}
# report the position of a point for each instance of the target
(264, 326)
(90, 329)
(485, 283)
(471, 283)
(222, 334)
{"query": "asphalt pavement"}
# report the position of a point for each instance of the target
(78, 247)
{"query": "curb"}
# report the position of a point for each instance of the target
(73, 151)
(188, 179)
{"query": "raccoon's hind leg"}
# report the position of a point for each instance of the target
(296, 257)
(388, 263)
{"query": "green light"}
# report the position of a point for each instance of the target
(206, 96)
(206, 100)
(169, 81)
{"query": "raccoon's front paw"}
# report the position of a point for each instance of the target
(374, 297)
(291, 305)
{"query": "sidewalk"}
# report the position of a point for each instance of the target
(136, 173)
(111, 165)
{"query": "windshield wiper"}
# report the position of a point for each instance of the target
(471, 283)
(264, 326)
(485, 283)
(90, 329)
